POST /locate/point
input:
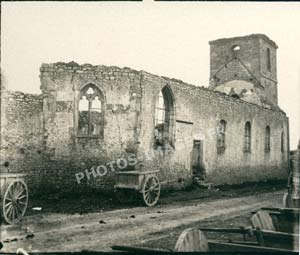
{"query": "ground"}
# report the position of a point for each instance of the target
(94, 223)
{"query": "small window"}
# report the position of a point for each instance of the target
(267, 140)
(236, 48)
(164, 118)
(247, 138)
(268, 59)
(90, 108)
(221, 137)
(282, 141)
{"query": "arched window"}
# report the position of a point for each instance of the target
(221, 137)
(247, 139)
(267, 139)
(282, 141)
(90, 107)
(268, 59)
(164, 118)
(235, 49)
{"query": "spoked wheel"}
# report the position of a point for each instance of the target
(15, 201)
(151, 190)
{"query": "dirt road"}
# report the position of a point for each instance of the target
(98, 231)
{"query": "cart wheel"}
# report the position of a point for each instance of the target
(151, 190)
(15, 201)
(192, 240)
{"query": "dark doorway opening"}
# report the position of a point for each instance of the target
(197, 160)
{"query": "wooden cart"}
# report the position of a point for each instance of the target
(261, 237)
(280, 219)
(145, 182)
(13, 196)
(195, 240)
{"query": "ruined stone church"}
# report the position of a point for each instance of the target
(230, 132)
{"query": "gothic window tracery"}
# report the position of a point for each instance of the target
(91, 114)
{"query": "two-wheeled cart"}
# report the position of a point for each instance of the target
(13, 196)
(145, 182)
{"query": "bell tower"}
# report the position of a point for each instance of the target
(248, 61)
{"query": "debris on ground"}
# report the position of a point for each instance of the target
(202, 184)
(56, 232)
(93, 203)
(29, 236)
(131, 216)
(37, 208)
(10, 240)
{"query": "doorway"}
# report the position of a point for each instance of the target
(197, 160)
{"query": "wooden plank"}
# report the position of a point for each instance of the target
(271, 237)
(280, 235)
(285, 219)
(223, 247)
(280, 239)
(136, 172)
(191, 240)
(245, 243)
(273, 212)
(18, 175)
(287, 209)
(126, 186)
(282, 210)
(241, 230)
(136, 249)
(250, 230)
(259, 237)
(7, 178)
(141, 180)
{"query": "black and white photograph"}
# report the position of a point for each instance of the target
(149, 126)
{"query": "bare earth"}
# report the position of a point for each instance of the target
(135, 226)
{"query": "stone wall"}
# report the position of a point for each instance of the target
(40, 133)
(198, 111)
(61, 85)
(248, 63)
(295, 171)
(21, 134)
(129, 127)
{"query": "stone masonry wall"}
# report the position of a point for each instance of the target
(50, 150)
(69, 153)
(268, 78)
(248, 63)
(221, 52)
(21, 134)
(198, 111)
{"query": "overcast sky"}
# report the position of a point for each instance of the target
(169, 39)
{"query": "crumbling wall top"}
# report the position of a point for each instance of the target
(74, 67)
(252, 36)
